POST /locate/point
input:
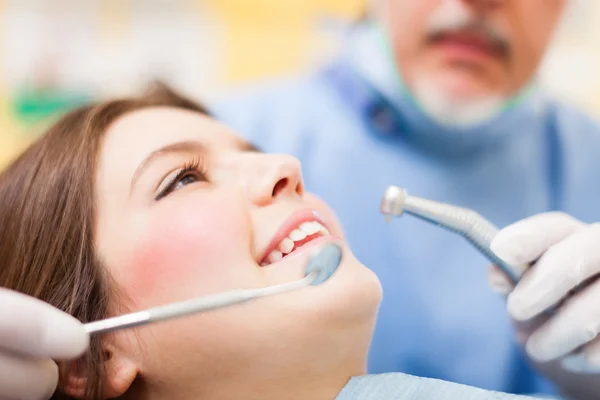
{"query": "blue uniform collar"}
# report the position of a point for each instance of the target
(371, 83)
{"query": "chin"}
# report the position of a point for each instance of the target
(353, 292)
(456, 101)
(350, 296)
(363, 285)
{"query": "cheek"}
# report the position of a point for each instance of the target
(406, 26)
(412, 13)
(532, 35)
(184, 247)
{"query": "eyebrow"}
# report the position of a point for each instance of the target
(179, 147)
(247, 146)
(182, 147)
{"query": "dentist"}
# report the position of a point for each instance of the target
(440, 96)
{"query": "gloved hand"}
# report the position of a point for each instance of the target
(32, 335)
(566, 253)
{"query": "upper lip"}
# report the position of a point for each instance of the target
(290, 223)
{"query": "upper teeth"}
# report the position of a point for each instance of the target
(287, 244)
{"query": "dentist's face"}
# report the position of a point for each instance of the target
(186, 209)
(469, 49)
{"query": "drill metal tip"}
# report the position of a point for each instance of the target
(393, 202)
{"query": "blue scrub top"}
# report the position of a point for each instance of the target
(397, 386)
(356, 132)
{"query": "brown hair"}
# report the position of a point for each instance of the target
(47, 217)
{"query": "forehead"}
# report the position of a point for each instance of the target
(134, 136)
(140, 132)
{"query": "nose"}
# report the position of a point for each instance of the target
(275, 176)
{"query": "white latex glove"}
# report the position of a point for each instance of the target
(32, 335)
(569, 255)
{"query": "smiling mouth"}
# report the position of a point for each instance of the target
(305, 233)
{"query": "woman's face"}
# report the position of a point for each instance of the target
(186, 209)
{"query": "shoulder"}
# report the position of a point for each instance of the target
(292, 105)
(266, 98)
(579, 137)
(573, 122)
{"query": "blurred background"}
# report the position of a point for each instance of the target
(57, 54)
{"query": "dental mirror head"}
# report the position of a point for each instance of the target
(324, 261)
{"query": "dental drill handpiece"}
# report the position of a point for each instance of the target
(467, 223)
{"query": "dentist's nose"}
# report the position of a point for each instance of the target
(275, 176)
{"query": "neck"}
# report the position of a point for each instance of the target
(299, 386)
(317, 370)
(302, 385)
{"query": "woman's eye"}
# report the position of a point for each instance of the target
(185, 180)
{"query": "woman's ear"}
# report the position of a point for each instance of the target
(119, 374)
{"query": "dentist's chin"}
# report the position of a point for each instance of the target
(452, 103)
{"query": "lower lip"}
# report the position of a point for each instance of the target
(306, 247)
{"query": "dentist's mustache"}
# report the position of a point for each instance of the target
(457, 20)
